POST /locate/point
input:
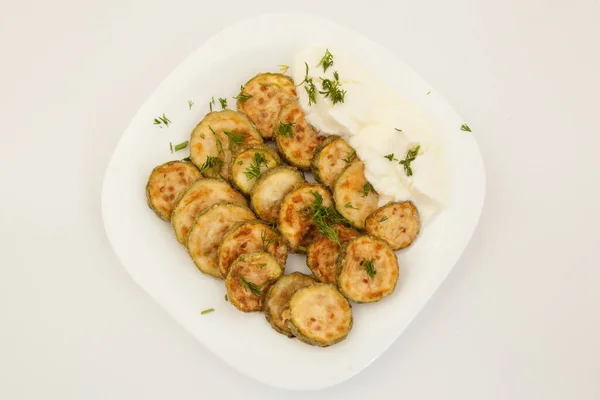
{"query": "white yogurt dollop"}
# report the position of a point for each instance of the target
(369, 120)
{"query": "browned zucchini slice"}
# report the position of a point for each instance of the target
(319, 315)
(278, 299)
(166, 183)
(367, 270)
(295, 138)
(249, 164)
(220, 134)
(200, 196)
(262, 97)
(268, 193)
(249, 279)
(396, 223)
(331, 157)
(207, 233)
(248, 237)
(355, 199)
(322, 254)
(293, 222)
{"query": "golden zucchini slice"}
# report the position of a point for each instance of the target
(319, 315)
(278, 299)
(396, 223)
(322, 254)
(166, 183)
(367, 270)
(208, 231)
(249, 279)
(294, 222)
(219, 135)
(200, 196)
(249, 164)
(262, 97)
(270, 189)
(331, 157)
(295, 138)
(355, 199)
(248, 237)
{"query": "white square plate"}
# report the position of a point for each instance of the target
(158, 263)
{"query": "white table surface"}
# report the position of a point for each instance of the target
(519, 316)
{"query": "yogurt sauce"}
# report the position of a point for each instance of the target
(376, 122)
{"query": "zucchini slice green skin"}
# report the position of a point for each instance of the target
(166, 183)
(208, 230)
(297, 148)
(241, 164)
(353, 278)
(270, 189)
(396, 223)
(330, 159)
(352, 201)
(278, 299)
(292, 223)
(209, 138)
(250, 278)
(320, 315)
(322, 254)
(269, 92)
(201, 195)
(249, 237)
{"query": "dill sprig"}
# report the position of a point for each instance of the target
(311, 90)
(190, 104)
(283, 68)
(367, 187)
(243, 96)
(332, 89)
(349, 205)
(286, 129)
(223, 103)
(235, 138)
(162, 120)
(253, 287)
(465, 127)
(369, 267)
(266, 240)
(213, 163)
(253, 171)
(411, 155)
(383, 219)
(211, 103)
(326, 60)
(322, 217)
(350, 156)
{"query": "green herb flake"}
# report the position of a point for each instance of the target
(383, 219)
(399, 130)
(266, 240)
(323, 216)
(283, 68)
(254, 171)
(349, 205)
(211, 103)
(301, 248)
(391, 157)
(411, 155)
(465, 127)
(162, 120)
(236, 139)
(429, 92)
(253, 287)
(223, 103)
(262, 265)
(326, 60)
(190, 104)
(369, 267)
(171, 146)
(311, 91)
(350, 156)
(226, 298)
(367, 187)
(181, 145)
(186, 159)
(207, 311)
(332, 89)
(211, 162)
(286, 129)
(242, 97)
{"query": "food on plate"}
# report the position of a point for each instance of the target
(322, 254)
(295, 138)
(200, 196)
(249, 279)
(166, 183)
(278, 299)
(396, 223)
(330, 158)
(367, 270)
(248, 237)
(207, 234)
(262, 97)
(248, 165)
(319, 315)
(270, 189)
(217, 137)
(302, 208)
(355, 199)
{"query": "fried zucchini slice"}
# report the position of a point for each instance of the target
(322, 254)
(294, 137)
(319, 315)
(367, 270)
(249, 164)
(248, 237)
(221, 134)
(208, 231)
(396, 223)
(270, 189)
(249, 279)
(293, 222)
(355, 199)
(166, 183)
(200, 196)
(330, 158)
(278, 299)
(262, 97)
